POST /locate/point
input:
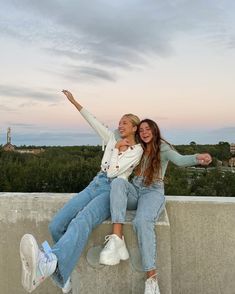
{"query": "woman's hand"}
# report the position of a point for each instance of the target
(122, 145)
(70, 97)
(204, 159)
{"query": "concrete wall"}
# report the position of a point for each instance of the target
(127, 277)
(200, 246)
(19, 214)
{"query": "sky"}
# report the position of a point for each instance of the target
(171, 60)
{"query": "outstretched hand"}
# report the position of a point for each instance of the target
(69, 95)
(204, 159)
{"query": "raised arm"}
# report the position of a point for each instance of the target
(70, 97)
(100, 129)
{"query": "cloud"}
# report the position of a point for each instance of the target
(4, 108)
(24, 125)
(102, 60)
(82, 72)
(115, 34)
(22, 92)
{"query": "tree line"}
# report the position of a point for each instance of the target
(70, 169)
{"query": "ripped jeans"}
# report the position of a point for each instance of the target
(72, 225)
(148, 201)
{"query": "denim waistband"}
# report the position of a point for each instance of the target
(139, 181)
(102, 173)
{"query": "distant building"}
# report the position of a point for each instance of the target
(232, 148)
(231, 161)
(8, 146)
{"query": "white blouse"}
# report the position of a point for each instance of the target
(114, 163)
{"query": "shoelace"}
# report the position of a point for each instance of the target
(107, 238)
(47, 249)
(45, 264)
(152, 285)
(152, 277)
(45, 259)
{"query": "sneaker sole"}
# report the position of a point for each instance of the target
(28, 254)
(109, 261)
(109, 258)
(113, 261)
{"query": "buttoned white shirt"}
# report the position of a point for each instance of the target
(114, 163)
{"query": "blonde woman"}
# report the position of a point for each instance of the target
(72, 225)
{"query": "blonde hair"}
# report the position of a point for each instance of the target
(133, 118)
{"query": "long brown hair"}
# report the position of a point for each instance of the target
(153, 168)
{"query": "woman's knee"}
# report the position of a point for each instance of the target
(55, 230)
(141, 223)
(118, 182)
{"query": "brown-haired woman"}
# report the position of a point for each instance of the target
(146, 195)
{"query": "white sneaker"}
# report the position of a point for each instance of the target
(67, 286)
(36, 265)
(151, 286)
(114, 251)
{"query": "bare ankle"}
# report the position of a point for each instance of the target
(117, 229)
(152, 274)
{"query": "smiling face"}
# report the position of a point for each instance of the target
(145, 133)
(126, 127)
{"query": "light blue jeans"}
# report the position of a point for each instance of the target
(72, 225)
(148, 202)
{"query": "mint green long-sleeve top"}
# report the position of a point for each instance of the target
(168, 154)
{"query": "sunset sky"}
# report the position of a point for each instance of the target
(169, 60)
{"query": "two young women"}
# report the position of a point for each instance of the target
(145, 194)
(109, 191)
(72, 225)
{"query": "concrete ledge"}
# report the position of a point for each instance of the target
(22, 213)
(126, 277)
(202, 245)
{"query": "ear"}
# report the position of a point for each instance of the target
(135, 128)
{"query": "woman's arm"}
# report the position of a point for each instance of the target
(100, 129)
(187, 160)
